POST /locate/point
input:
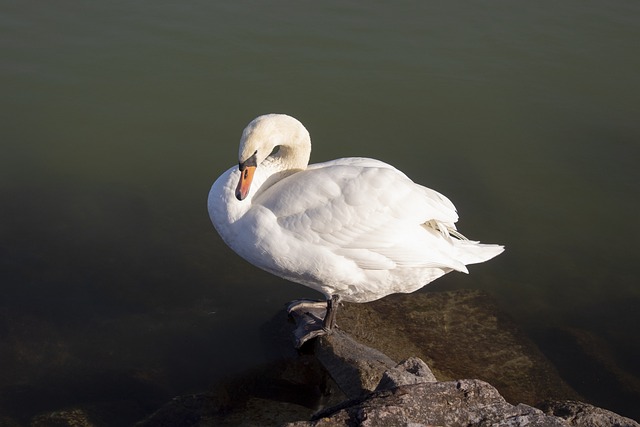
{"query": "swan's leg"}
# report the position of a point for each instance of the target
(332, 311)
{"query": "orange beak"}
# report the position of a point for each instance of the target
(246, 176)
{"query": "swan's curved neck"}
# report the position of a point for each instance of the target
(277, 142)
(291, 157)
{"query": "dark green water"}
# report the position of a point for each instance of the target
(116, 117)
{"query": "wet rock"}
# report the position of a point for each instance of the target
(577, 351)
(185, 411)
(273, 394)
(459, 334)
(90, 415)
(356, 368)
(64, 418)
(581, 414)
(409, 393)
(377, 390)
(8, 422)
(451, 403)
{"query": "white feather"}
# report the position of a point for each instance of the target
(355, 227)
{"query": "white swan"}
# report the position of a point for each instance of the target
(354, 229)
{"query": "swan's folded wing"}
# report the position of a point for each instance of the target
(365, 212)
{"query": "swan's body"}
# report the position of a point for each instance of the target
(355, 228)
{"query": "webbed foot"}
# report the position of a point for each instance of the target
(313, 318)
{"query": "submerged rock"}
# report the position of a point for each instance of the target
(585, 415)
(577, 351)
(65, 418)
(352, 378)
(273, 394)
(459, 334)
(8, 422)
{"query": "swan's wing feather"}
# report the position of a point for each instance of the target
(446, 211)
(365, 210)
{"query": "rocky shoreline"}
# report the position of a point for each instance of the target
(409, 394)
(373, 390)
(353, 378)
(359, 382)
(460, 334)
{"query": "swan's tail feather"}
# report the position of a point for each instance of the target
(470, 252)
(465, 251)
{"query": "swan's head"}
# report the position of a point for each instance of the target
(276, 136)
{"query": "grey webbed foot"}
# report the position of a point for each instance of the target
(313, 318)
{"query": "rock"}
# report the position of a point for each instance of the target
(356, 368)
(613, 383)
(409, 393)
(377, 391)
(584, 415)
(272, 394)
(411, 371)
(459, 334)
(65, 418)
(90, 415)
(185, 411)
(451, 403)
(8, 422)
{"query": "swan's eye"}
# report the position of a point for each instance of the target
(275, 150)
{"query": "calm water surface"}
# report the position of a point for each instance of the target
(116, 117)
